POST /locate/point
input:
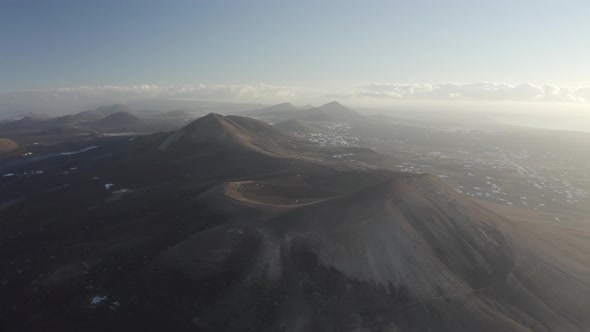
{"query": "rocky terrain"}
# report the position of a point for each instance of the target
(231, 224)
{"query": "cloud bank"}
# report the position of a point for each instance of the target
(67, 100)
(482, 91)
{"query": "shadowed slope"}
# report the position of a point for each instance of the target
(407, 254)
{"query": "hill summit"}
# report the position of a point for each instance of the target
(234, 132)
(335, 109)
(117, 120)
(92, 115)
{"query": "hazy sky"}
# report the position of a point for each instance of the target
(535, 50)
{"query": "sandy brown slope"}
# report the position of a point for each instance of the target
(559, 273)
(7, 145)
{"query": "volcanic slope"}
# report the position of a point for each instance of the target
(231, 133)
(230, 218)
(222, 146)
(407, 254)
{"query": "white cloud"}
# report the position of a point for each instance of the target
(582, 94)
(70, 99)
(481, 91)
(196, 91)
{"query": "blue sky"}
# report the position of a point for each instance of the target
(339, 48)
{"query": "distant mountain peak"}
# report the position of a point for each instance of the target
(210, 128)
(114, 107)
(284, 105)
(230, 132)
(108, 110)
(209, 124)
(334, 108)
(333, 104)
(117, 119)
(281, 107)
